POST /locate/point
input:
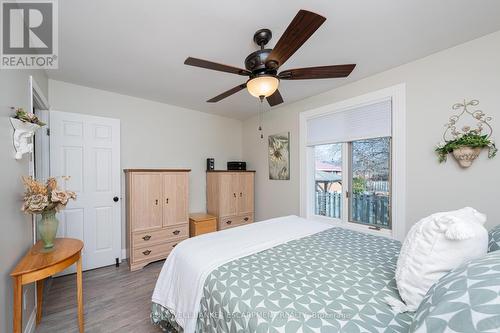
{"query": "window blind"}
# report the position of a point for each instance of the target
(364, 122)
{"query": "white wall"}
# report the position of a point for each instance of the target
(16, 235)
(156, 135)
(434, 83)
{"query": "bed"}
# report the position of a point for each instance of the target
(286, 275)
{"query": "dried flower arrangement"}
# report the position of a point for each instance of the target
(43, 197)
(466, 144)
(27, 117)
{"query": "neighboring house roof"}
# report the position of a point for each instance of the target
(322, 176)
(327, 166)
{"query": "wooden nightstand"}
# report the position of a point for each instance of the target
(201, 223)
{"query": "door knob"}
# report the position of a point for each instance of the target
(115, 199)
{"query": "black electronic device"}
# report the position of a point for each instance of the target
(236, 165)
(210, 164)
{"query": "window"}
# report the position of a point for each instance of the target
(328, 180)
(370, 188)
(368, 192)
(353, 162)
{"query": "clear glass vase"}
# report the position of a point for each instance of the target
(47, 228)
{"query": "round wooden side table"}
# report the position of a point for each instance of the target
(37, 265)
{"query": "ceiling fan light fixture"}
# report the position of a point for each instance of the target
(262, 67)
(264, 85)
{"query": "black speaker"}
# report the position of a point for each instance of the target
(210, 164)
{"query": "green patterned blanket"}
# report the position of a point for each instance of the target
(333, 281)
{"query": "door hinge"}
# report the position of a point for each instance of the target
(48, 131)
(347, 194)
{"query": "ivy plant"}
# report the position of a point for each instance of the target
(472, 140)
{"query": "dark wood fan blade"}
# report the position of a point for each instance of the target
(298, 32)
(321, 72)
(215, 66)
(227, 93)
(275, 98)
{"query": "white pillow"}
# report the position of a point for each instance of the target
(433, 247)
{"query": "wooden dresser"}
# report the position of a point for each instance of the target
(230, 197)
(157, 213)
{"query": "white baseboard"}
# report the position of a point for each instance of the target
(30, 326)
(124, 254)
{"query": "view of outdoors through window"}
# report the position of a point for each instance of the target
(328, 182)
(369, 175)
(370, 182)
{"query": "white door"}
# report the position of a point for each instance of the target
(87, 148)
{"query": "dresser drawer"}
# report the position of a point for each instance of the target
(234, 221)
(228, 222)
(178, 231)
(245, 219)
(148, 238)
(154, 251)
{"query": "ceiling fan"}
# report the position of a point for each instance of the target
(262, 65)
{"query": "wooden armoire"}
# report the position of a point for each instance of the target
(157, 213)
(230, 197)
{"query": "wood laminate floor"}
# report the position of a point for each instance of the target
(115, 300)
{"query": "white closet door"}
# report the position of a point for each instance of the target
(87, 148)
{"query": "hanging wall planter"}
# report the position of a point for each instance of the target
(466, 155)
(467, 142)
(25, 126)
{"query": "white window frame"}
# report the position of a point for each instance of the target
(397, 94)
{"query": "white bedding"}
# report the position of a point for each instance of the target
(180, 284)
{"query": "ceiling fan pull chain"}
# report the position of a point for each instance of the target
(261, 115)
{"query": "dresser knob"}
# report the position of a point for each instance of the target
(176, 232)
(174, 245)
(147, 237)
(146, 253)
(246, 219)
(229, 222)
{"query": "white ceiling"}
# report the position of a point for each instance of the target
(138, 47)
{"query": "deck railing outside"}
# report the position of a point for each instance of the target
(377, 186)
(367, 208)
